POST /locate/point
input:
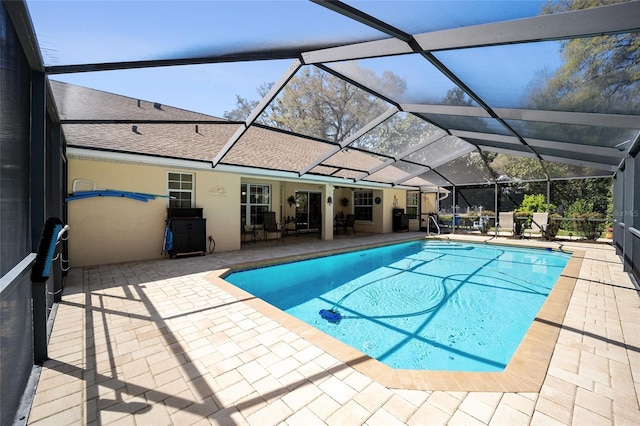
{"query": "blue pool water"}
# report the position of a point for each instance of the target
(425, 305)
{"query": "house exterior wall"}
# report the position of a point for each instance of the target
(219, 196)
(111, 229)
(427, 205)
(388, 206)
(429, 202)
(105, 230)
(382, 221)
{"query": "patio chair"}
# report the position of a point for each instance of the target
(250, 230)
(338, 223)
(270, 225)
(505, 222)
(350, 222)
(245, 231)
(539, 224)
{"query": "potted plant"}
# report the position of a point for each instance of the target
(291, 200)
(609, 233)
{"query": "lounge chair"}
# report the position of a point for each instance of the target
(539, 224)
(505, 222)
(270, 225)
(350, 222)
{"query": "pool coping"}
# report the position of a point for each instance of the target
(525, 372)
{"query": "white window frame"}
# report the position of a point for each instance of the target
(363, 202)
(179, 188)
(246, 204)
(413, 203)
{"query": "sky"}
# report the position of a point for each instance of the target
(81, 32)
(208, 89)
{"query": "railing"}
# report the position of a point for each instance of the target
(435, 222)
(575, 219)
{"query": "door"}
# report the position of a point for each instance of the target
(308, 210)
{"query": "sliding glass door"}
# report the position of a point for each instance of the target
(308, 210)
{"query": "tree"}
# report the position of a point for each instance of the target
(244, 107)
(599, 74)
(318, 104)
(397, 134)
(461, 166)
(599, 192)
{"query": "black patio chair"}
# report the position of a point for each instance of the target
(270, 225)
(350, 222)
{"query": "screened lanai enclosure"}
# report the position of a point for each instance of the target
(425, 95)
(482, 102)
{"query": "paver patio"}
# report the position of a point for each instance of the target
(157, 343)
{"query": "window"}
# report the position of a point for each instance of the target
(363, 205)
(412, 204)
(180, 189)
(255, 200)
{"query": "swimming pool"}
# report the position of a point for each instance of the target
(425, 305)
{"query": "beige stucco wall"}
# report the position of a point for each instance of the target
(387, 202)
(382, 213)
(106, 230)
(112, 230)
(429, 202)
(219, 196)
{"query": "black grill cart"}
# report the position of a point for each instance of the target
(189, 231)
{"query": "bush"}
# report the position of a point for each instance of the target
(553, 226)
(532, 203)
(536, 203)
(587, 227)
(579, 207)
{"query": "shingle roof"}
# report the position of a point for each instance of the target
(166, 140)
(80, 103)
(104, 121)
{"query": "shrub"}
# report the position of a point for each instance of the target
(588, 228)
(553, 226)
(536, 203)
(577, 208)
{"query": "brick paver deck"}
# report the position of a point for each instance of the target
(160, 343)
